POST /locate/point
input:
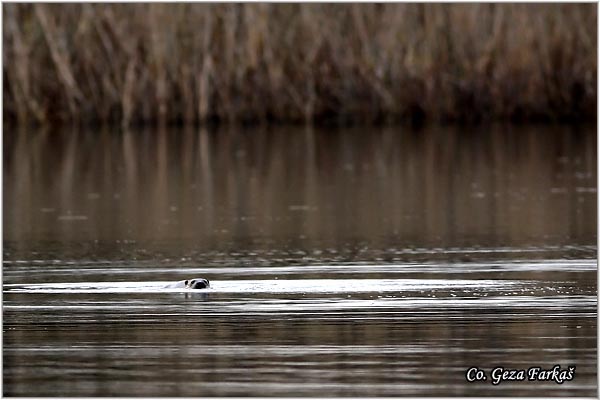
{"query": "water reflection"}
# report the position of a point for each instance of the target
(303, 189)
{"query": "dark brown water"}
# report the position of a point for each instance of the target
(357, 262)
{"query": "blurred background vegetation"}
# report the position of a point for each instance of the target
(191, 63)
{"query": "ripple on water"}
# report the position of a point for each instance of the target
(54, 269)
(272, 286)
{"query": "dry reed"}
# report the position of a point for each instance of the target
(298, 62)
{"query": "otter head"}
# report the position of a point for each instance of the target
(197, 283)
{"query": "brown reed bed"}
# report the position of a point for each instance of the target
(299, 62)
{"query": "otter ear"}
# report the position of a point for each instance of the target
(185, 283)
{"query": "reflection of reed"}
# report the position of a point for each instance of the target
(206, 205)
(299, 62)
(159, 195)
(390, 189)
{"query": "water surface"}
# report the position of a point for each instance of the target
(354, 262)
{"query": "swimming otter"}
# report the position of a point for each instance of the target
(196, 283)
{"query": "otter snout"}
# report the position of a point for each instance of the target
(197, 283)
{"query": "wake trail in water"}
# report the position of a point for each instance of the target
(274, 286)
